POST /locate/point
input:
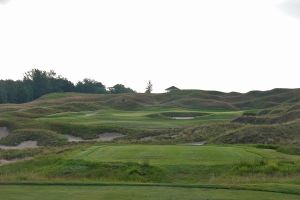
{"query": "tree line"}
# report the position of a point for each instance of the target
(37, 83)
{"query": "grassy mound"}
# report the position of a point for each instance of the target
(264, 134)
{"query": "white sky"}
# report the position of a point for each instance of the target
(227, 45)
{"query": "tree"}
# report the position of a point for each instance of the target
(43, 82)
(11, 91)
(39, 81)
(3, 94)
(119, 88)
(90, 86)
(149, 88)
(23, 92)
(60, 84)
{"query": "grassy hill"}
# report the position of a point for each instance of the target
(181, 116)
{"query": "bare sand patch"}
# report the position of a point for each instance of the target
(72, 138)
(182, 118)
(107, 137)
(147, 139)
(198, 143)
(90, 114)
(6, 162)
(23, 145)
(3, 132)
(104, 137)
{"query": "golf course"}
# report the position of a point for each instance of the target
(180, 145)
(150, 100)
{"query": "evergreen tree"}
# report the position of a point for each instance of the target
(149, 88)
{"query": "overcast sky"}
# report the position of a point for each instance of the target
(227, 45)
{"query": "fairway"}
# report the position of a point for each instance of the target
(133, 193)
(168, 154)
(146, 118)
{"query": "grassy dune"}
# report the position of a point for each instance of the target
(216, 117)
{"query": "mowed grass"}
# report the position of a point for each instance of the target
(168, 154)
(134, 193)
(158, 164)
(139, 118)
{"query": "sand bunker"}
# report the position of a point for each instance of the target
(104, 137)
(183, 118)
(107, 137)
(198, 143)
(3, 132)
(90, 114)
(147, 139)
(23, 145)
(6, 162)
(72, 138)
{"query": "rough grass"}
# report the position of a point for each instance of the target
(43, 137)
(268, 134)
(18, 154)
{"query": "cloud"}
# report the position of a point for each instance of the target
(3, 1)
(291, 7)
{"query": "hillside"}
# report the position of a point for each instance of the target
(270, 117)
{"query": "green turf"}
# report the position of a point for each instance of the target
(168, 154)
(157, 164)
(133, 193)
(137, 118)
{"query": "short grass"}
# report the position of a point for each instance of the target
(168, 154)
(137, 118)
(114, 171)
(158, 164)
(134, 193)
